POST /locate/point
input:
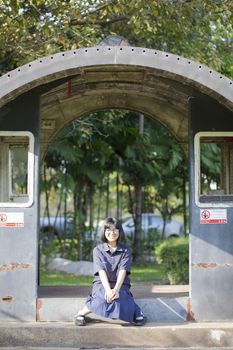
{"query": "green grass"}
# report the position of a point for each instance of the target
(48, 278)
(139, 275)
(150, 273)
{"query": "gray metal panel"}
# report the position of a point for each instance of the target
(211, 245)
(18, 245)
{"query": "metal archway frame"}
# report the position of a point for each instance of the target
(62, 87)
(62, 65)
(155, 83)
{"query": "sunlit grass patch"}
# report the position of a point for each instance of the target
(139, 274)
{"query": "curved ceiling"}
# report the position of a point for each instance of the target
(155, 83)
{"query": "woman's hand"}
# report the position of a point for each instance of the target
(111, 295)
(116, 294)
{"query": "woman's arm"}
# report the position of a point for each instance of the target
(112, 294)
(109, 293)
(104, 280)
(124, 268)
(120, 280)
(99, 269)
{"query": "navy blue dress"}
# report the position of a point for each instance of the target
(124, 308)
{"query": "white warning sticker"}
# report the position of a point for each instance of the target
(213, 216)
(12, 219)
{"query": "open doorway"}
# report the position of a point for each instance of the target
(111, 163)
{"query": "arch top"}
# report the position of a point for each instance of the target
(101, 58)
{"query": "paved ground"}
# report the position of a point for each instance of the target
(160, 303)
(139, 291)
(26, 335)
(168, 335)
(98, 348)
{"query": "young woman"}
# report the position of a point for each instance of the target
(111, 296)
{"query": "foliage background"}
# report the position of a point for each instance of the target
(197, 29)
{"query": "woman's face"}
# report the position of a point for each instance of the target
(112, 233)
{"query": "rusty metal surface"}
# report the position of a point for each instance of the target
(208, 265)
(8, 298)
(13, 266)
(39, 305)
(190, 317)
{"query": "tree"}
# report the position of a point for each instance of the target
(201, 29)
(210, 166)
(84, 159)
(91, 152)
(135, 161)
(172, 168)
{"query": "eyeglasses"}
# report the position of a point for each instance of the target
(112, 230)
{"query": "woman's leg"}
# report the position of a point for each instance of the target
(139, 318)
(138, 311)
(79, 319)
(84, 312)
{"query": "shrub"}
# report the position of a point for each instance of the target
(64, 248)
(150, 240)
(173, 256)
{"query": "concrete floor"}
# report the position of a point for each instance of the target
(160, 303)
(57, 335)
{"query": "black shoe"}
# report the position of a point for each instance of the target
(79, 320)
(141, 321)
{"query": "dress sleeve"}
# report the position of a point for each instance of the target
(98, 264)
(125, 262)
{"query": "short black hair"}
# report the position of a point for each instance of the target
(112, 221)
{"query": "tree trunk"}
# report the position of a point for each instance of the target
(91, 214)
(164, 225)
(75, 234)
(79, 213)
(164, 214)
(118, 197)
(107, 197)
(46, 195)
(98, 215)
(57, 215)
(130, 203)
(65, 214)
(138, 224)
(138, 208)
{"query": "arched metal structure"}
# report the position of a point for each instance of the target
(155, 83)
(62, 65)
(48, 93)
